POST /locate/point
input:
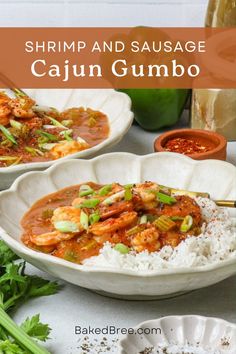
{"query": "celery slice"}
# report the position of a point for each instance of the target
(164, 223)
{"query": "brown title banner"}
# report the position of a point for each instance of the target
(140, 57)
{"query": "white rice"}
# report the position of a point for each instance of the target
(177, 349)
(217, 242)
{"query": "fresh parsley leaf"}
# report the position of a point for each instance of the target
(41, 287)
(35, 329)
(6, 254)
(13, 272)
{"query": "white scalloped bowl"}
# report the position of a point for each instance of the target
(208, 333)
(116, 105)
(166, 168)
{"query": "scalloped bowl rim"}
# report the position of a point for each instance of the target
(174, 317)
(20, 247)
(80, 154)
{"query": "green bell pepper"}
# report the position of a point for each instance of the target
(157, 108)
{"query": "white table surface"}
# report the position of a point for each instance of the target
(75, 306)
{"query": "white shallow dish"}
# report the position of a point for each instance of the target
(116, 105)
(195, 330)
(216, 177)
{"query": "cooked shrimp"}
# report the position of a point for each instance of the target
(171, 238)
(111, 225)
(114, 209)
(22, 107)
(146, 240)
(147, 192)
(5, 113)
(67, 213)
(50, 238)
(4, 98)
(77, 201)
(65, 148)
(183, 207)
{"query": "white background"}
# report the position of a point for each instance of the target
(77, 13)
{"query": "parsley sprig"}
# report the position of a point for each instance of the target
(17, 287)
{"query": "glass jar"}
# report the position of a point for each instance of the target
(216, 109)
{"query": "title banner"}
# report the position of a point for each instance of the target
(140, 57)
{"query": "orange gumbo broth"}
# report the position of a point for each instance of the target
(136, 218)
(30, 135)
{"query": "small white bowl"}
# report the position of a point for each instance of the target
(165, 168)
(116, 105)
(208, 333)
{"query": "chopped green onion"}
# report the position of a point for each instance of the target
(120, 247)
(15, 124)
(66, 226)
(164, 223)
(89, 203)
(7, 134)
(56, 123)
(50, 137)
(114, 198)
(47, 146)
(33, 151)
(84, 219)
(85, 190)
(128, 193)
(67, 134)
(165, 199)
(93, 218)
(186, 224)
(105, 190)
(67, 122)
(143, 219)
(48, 126)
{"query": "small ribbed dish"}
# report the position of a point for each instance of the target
(206, 334)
